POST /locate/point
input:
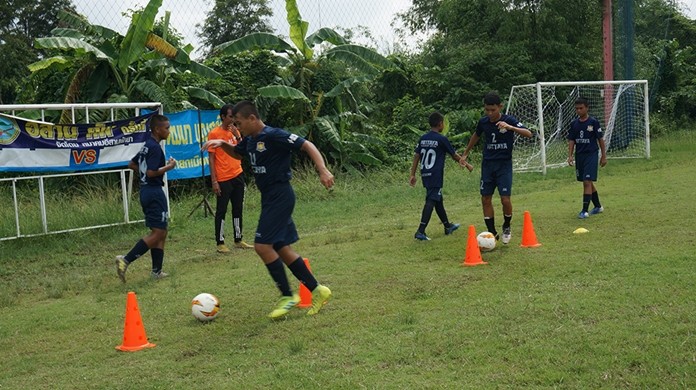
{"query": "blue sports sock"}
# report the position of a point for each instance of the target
(277, 271)
(303, 274)
(138, 250)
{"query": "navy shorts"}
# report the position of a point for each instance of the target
(275, 222)
(496, 174)
(154, 205)
(433, 193)
(586, 166)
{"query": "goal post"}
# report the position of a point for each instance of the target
(548, 108)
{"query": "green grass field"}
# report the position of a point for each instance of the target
(613, 308)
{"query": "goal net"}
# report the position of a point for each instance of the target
(548, 108)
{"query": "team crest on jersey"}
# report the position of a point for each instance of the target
(590, 128)
(292, 138)
(260, 147)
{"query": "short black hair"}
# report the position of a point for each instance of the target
(246, 108)
(491, 98)
(435, 119)
(157, 120)
(582, 100)
(225, 109)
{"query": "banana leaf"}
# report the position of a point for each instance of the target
(329, 132)
(133, 45)
(57, 63)
(325, 35)
(254, 41)
(352, 59)
(282, 92)
(206, 95)
(298, 29)
(65, 43)
(152, 91)
(346, 84)
(368, 55)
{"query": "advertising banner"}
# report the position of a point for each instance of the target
(31, 146)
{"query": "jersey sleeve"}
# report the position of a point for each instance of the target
(515, 122)
(600, 131)
(154, 158)
(417, 148)
(447, 146)
(286, 139)
(571, 130)
(479, 127)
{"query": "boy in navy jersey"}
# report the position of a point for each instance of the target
(149, 164)
(270, 150)
(584, 135)
(498, 132)
(430, 153)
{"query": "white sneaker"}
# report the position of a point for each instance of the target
(507, 235)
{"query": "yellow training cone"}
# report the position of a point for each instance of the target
(580, 230)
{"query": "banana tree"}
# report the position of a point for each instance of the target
(113, 68)
(301, 62)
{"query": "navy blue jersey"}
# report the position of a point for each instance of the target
(150, 157)
(269, 154)
(497, 143)
(586, 135)
(433, 148)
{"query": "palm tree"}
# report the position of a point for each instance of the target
(109, 67)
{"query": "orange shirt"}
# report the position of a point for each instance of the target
(226, 167)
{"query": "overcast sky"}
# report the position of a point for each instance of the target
(376, 15)
(185, 14)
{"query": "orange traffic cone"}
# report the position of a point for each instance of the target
(473, 253)
(305, 294)
(134, 338)
(529, 239)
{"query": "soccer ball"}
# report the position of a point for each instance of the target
(486, 241)
(205, 307)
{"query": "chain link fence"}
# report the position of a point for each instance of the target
(373, 23)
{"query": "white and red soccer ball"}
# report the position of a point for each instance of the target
(205, 307)
(486, 241)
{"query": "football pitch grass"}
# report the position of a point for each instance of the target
(612, 308)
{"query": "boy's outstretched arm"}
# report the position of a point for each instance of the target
(325, 176)
(225, 146)
(472, 141)
(519, 130)
(462, 162)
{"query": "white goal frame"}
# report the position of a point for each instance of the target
(548, 115)
(126, 175)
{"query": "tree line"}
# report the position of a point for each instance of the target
(362, 107)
